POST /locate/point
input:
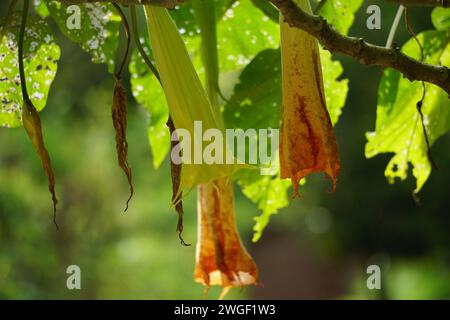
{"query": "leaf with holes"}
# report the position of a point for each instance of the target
(99, 29)
(40, 63)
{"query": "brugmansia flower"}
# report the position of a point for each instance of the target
(307, 143)
(186, 98)
(220, 257)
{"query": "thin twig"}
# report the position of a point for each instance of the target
(23, 84)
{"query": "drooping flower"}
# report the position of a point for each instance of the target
(221, 259)
(307, 143)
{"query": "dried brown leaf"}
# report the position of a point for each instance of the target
(119, 116)
(175, 170)
(32, 125)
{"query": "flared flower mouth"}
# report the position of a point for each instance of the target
(221, 259)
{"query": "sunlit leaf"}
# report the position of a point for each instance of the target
(398, 126)
(441, 18)
(41, 8)
(340, 13)
(336, 89)
(243, 32)
(41, 54)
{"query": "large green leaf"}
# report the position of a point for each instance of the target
(99, 29)
(398, 126)
(41, 54)
(256, 100)
(243, 32)
(340, 13)
(148, 92)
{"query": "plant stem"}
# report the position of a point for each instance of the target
(206, 19)
(23, 24)
(138, 44)
(127, 34)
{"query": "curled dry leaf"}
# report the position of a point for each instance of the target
(221, 259)
(307, 143)
(119, 116)
(32, 125)
(175, 171)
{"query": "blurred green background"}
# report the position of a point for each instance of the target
(318, 247)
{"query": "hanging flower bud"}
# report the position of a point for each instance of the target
(307, 143)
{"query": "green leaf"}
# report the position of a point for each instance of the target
(41, 54)
(335, 90)
(256, 100)
(148, 92)
(441, 18)
(398, 125)
(243, 32)
(98, 34)
(268, 192)
(340, 13)
(267, 8)
(185, 19)
(41, 9)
